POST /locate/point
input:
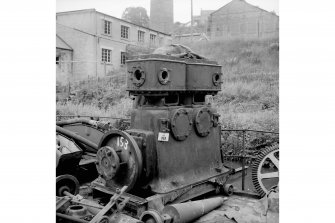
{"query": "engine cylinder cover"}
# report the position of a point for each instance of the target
(203, 121)
(181, 124)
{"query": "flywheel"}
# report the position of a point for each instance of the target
(119, 160)
(265, 170)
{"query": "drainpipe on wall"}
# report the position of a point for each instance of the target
(96, 44)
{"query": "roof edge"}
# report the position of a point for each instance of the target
(64, 42)
(246, 3)
(94, 10)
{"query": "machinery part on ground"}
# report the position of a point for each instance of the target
(76, 211)
(151, 216)
(102, 125)
(77, 137)
(189, 211)
(68, 155)
(265, 169)
(119, 160)
(228, 189)
(67, 183)
(104, 219)
(111, 203)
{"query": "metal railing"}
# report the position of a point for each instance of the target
(248, 153)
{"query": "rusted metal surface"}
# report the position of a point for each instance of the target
(265, 170)
(77, 137)
(110, 204)
(189, 211)
(125, 167)
(173, 151)
(243, 149)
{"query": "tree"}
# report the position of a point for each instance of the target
(137, 15)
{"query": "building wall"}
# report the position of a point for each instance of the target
(161, 15)
(63, 67)
(83, 46)
(84, 32)
(239, 19)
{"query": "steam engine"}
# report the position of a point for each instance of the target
(174, 138)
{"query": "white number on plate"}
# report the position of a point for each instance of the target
(122, 142)
(163, 136)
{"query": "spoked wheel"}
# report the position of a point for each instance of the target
(265, 170)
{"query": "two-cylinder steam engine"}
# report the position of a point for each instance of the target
(174, 138)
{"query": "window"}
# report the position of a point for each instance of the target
(57, 60)
(140, 36)
(107, 27)
(106, 55)
(152, 39)
(123, 57)
(124, 32)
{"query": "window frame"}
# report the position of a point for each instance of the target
(123, 32)
(153, 40)
(105, 57)
(139, 39)
(109, 28)
(125, 57)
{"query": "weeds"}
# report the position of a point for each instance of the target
(250, 90)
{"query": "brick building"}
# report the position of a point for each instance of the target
(239, 19)
(99, 41)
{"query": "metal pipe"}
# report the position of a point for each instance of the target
(76, 137)
(87, 116)
(248, 130)
(77, 120)
(243, 160)
(68, 217)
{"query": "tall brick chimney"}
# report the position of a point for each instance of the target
(161, 15)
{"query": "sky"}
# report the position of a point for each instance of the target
(182, 11)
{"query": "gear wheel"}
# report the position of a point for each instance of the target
(265, 170)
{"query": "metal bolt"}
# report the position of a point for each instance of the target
(109, 153)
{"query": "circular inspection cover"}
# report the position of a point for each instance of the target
(203, 121)
(119, 160)
(181, 124)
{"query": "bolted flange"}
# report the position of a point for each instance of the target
(108, 162)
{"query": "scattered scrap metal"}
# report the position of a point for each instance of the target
(168, 164)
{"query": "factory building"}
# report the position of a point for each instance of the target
(99, 42)
(239, 19)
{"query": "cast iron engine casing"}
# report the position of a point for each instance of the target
(174, 137)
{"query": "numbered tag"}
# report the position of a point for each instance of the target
(163, 136)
